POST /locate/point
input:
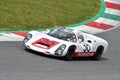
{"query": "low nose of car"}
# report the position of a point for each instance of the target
(45, 43)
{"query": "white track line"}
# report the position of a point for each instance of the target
(112, 11)
(10, 37)
(108, 21)
(113, 1)
(89, 29)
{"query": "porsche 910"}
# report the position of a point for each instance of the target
(66, 42)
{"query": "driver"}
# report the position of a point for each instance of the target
(72, 38)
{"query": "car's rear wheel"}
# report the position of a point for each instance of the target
(98, 54)
(70, 54)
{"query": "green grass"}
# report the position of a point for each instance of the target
(41, 14)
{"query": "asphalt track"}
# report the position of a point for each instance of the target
(18, 64)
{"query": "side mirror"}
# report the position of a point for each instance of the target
(47, 31)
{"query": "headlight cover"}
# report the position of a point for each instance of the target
(27, 38)
(60, 50)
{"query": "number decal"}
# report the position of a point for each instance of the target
(87, 48)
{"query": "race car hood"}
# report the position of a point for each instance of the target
(45, 41)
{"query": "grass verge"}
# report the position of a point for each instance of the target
(41, 14)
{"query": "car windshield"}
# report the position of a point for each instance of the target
(64, 34)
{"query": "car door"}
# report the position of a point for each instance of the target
(84, 47)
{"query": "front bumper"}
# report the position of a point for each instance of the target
(42, 51)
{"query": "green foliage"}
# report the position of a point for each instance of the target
(39, 14)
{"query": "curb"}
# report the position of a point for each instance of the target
(108, 18)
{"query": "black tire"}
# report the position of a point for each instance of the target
(26, 49)
(70, 54)
(98, 54)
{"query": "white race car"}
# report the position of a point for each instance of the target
(64, 42)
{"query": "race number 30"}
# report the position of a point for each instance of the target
(86, 48)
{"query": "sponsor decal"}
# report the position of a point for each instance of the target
(45, 43)
(84, 54)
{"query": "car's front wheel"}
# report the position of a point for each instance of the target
(70, 53)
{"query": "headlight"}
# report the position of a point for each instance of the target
(60, 50)
(27, 38)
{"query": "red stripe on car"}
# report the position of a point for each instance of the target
(45, 43)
